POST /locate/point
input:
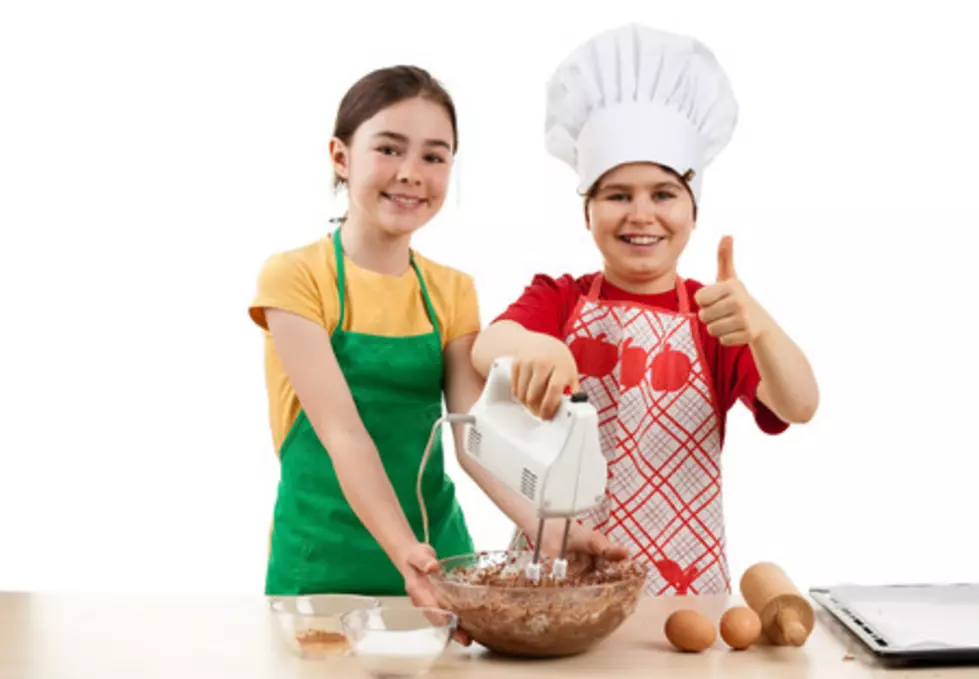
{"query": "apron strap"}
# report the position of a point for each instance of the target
(681, 292)
(341, 283)
(595, 288)
(341, 275)
(428, 300)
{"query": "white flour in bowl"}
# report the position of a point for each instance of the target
(399, 653)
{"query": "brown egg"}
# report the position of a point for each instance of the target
(689, 631)
(740, 627)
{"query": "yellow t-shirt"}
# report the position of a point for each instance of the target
(304, 281)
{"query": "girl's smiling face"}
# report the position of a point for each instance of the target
(397, 166)
(640, 216)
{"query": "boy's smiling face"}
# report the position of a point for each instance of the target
(641, 216)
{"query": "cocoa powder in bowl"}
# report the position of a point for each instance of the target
(509, 614)
(322, 642)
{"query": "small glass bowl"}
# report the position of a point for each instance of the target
(399, 641)
(310, 625)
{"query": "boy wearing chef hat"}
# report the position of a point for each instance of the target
(639, 114)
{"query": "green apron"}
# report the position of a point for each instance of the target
(318, 544)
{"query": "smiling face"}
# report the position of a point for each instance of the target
(397, 166)
(641, 216)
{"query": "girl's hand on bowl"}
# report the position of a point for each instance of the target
(420, 562)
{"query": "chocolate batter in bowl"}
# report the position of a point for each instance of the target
(511, 615)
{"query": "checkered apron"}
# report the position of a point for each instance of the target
(644, 370)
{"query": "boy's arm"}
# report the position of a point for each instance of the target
(787, 386)
(537, 316)
(504, 338)
(543, 366)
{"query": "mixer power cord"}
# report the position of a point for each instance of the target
(451, 418)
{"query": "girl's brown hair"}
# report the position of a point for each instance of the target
(385, 87)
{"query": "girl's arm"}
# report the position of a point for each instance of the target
(308, 359)
(463, 387)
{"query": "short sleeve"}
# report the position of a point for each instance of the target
(544, 306)
(464, 319)
(743, 386)
(286, 282)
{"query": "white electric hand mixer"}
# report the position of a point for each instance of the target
(556, 464)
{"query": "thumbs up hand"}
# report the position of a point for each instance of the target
(730, 313)
(725, 259)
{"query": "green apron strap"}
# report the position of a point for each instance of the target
(341, 284)
(428, 300)
(341, 274)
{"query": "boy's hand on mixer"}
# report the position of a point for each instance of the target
(419, 562)
(542, 369)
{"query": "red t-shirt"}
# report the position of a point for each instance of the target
(547, 303)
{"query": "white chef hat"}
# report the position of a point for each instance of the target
(636, 94)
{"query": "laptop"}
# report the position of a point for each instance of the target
(928, 624)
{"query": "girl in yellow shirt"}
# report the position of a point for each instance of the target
(363, 337)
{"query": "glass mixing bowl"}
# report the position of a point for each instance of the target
(509, 615)
(398, 641)
(310, 625)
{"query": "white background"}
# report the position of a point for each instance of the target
(152, 155)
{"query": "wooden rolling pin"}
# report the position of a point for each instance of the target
(786, 616)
